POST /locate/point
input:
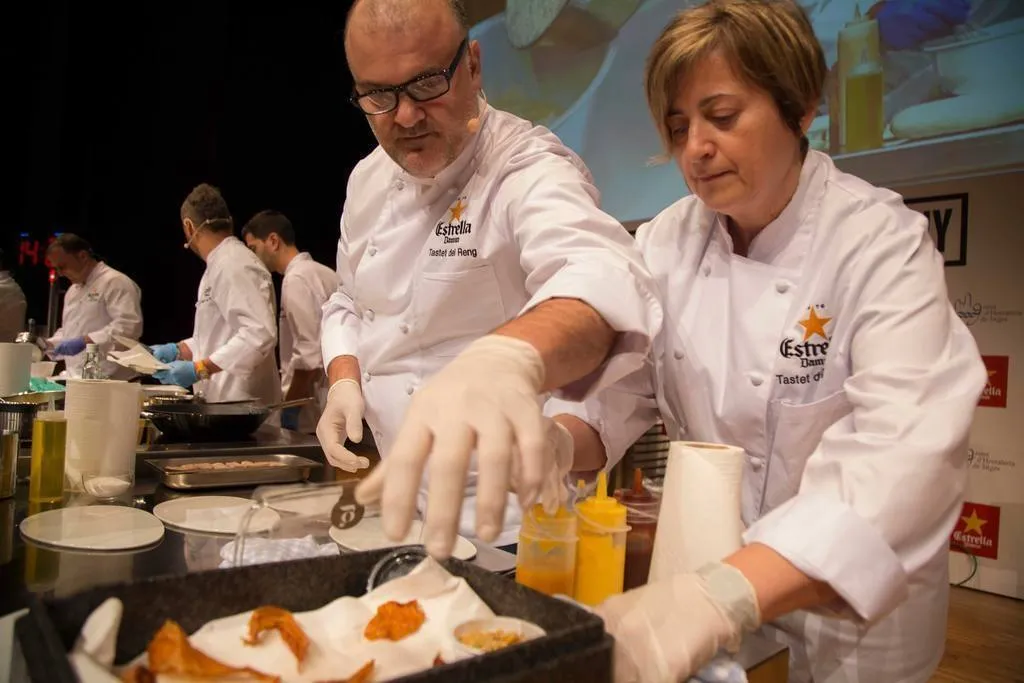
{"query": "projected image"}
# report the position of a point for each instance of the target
(923, 89)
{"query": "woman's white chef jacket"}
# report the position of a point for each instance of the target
(235, 326)
(427, 266)
(108, 303)
(305, 288)
(832, 355)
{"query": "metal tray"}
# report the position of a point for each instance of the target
(294, 469)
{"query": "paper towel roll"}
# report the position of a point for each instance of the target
(700, 508)
(103, 425)
(15, 368)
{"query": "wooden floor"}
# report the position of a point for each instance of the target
(985, 641)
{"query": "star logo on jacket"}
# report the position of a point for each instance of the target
(454, 229)
(456, 211)
(814, 324)
(977, 531)
(808, 347)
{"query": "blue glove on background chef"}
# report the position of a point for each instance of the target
(181, 372)
(906, 24)
(290, 418)
(165, 353)
(70, 347)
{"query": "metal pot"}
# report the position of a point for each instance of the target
(205, 422)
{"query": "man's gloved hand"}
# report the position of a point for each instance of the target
(557, 465)
(70, 347)
(290, 418)
(487, 399)
(906, 24)
(343, 416)
(181, 372)
(668, 630)
(165, 353)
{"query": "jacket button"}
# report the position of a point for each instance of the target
(678, 354)
(756, 462)
(368, 315)
(404, 328)
(781, 286)
(410, 389)
(756, 379)
(366, 377)
(399, 185)
(706, 270)
(372, 251)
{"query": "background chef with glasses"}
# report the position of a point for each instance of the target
(476, 274)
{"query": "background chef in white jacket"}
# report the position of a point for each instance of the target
(807, 321)
(100, 303)
(305, 287)
(12, 304)
(230, 355)
(476, 272)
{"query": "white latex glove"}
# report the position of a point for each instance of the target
(667, 631)
(486, 398)
(343, 416)
(558, 452)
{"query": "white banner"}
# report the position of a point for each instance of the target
(976, 223)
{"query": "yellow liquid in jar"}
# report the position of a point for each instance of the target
(42, 568)
(547, 581)
(865, 116)
(46, 478)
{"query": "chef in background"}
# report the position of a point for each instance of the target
(807, 321)
(12, 304)
(230, 355)
(305, 287)
(100, 303)
(477, 273)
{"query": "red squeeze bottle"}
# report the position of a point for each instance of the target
(642, 517)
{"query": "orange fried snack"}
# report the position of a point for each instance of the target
(394, 621)
(266, 618)
(361, 676)
(171, 653)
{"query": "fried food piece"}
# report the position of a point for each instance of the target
(171, 653)
(438, 661)
(489, 641)
(361, 676)
(270, 617)
(395, 620)
(138, 674)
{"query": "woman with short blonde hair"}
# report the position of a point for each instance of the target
(807, 321)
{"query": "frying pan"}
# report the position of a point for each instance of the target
(205, 422)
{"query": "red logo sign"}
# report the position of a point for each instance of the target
(998, 368)
(977, 531)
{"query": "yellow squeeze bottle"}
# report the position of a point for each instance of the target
(601, 549)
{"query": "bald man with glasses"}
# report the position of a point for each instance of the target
(477, 274)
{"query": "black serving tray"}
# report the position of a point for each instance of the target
(574, 650)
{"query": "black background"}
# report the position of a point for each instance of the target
(115, 111)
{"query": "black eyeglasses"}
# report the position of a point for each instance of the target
(423, 88)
